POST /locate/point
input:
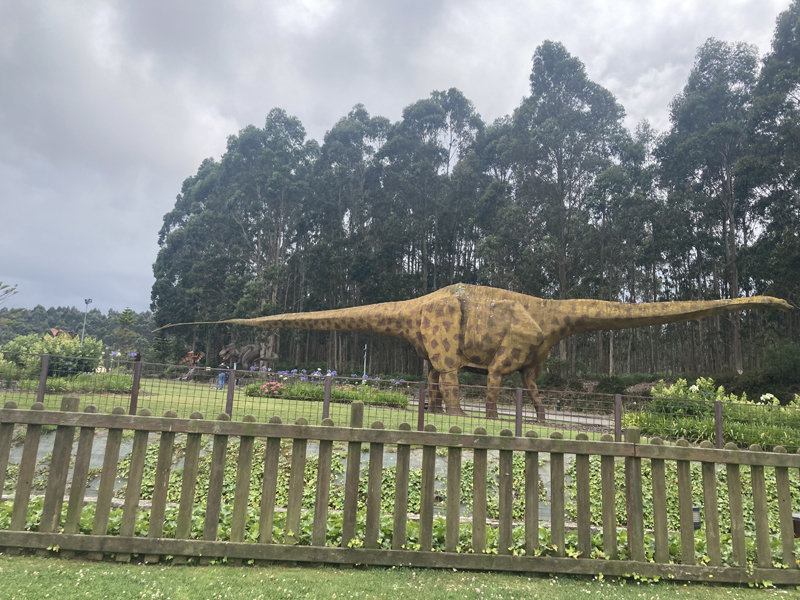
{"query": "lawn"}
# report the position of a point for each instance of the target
(161, 395)
(31, 577)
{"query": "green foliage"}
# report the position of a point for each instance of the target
(106, 383)
(6, 291)
(782, 362)
(126, 320)
(684, 411)
(370, 393)
(102, 326)
(334, 532)
(67, 355)
(673, 515)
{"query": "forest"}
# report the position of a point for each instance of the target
(118, 330)
(557, 200)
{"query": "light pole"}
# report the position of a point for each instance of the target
(88, 301)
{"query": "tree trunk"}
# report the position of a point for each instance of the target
(610, 353)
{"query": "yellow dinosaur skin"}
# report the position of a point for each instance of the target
(496, 331)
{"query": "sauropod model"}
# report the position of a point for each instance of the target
(495, 331)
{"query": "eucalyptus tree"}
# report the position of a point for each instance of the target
(772, 169)
(193, 268)
(265, 183)
(417, 160)
(454, 232)
(700, 152)
(567, 133)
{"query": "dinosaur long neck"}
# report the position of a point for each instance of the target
(576, 316)
(390, 318)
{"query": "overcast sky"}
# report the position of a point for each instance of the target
(106, 107)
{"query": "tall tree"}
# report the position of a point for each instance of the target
(706, 139)
(772, 168)
(567, 133)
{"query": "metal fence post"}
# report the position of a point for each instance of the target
(421, 407)
(718, 424)
(231, 385)
(617, 417)
(326, 401)
(137, 377)
(518, 424)
(43, 378)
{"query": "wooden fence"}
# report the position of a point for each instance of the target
(154, 546)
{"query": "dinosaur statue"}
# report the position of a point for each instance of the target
(248, 355)
(495, 331)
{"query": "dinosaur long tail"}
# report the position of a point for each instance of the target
(389, 318)
(591, 315)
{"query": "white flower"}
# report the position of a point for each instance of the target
(694, 388)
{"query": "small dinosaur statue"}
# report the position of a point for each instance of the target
(493, 331)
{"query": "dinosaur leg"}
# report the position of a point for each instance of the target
(439, 328)
(518, 343)
(494, 381)
(434, 394)
(448, 388)
(529, 377)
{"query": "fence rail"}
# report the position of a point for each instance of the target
(365, 538)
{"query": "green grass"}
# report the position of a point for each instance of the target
(160, 395)
(31, 577)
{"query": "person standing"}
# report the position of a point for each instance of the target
(223, 376)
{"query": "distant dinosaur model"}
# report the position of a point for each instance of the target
(61, 333)
(249, 355)
(494, 331)
(192, 358)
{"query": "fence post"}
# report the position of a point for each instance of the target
(43, 378)
(518, 424)
(326, 401)
(617, 417)
(421, 407)
(718, 424)
(137, 377)
(231, 384)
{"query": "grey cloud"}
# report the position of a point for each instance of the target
(106, 106)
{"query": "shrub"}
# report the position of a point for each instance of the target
(83, 383)
(684, 411)
(67, 355)
(371, 392)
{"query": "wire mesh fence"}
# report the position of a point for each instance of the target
(116, 381)
(520, 411)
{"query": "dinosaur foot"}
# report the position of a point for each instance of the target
(491, 410)
(455, 411)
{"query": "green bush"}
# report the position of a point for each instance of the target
(372, 392)
(684, 411)
(67, 355)
(85, 382)
(782, 362)
(673, 512)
